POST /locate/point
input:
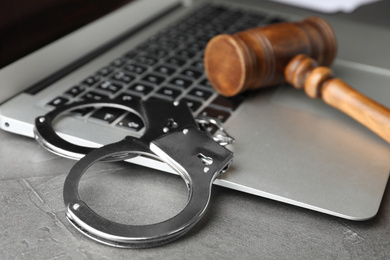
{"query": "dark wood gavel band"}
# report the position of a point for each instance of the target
(257, 57)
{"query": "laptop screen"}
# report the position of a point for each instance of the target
(27, 25)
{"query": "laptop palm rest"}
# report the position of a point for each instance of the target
(308, 153)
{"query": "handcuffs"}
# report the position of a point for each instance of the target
(171, 135)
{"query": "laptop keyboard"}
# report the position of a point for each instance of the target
(168, 66)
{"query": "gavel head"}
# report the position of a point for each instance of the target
(257, 57)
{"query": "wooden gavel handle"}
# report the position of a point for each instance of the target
(318, 82)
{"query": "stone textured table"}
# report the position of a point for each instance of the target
(236, 226)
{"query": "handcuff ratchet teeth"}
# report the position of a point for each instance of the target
(171, 135)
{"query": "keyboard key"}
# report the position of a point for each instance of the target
(123, 77)
(196, 46)
(229, 103)
(210, 33)
(200, 93)
(175, 61)
(169, 92)
(165, 70)
(124, 97)
(109, 86)
(204, 38)
(94, 96)
(198, 64)
(135, 68)
(158, 53)
(192, 104)
(153, 79)
(118, 62)
(180, 82)
(107, 114)
(82, 111)
(106, 71)
(75, 91)
(192, 73)
(180, 38)
(215, 113)
(191, 31)
(143, 46)
(59, 101)
(141, 88)
(132, 122)
(206, 83)
(131, 54)
(186, 54)
(146, 60)
(169, 45)
(91, 80)
(218, 27)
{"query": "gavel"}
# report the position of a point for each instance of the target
(298, 53)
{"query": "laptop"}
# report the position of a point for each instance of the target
(289, 148)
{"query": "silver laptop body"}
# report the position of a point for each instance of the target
(288, 147)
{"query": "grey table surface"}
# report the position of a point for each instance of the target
(236, 226)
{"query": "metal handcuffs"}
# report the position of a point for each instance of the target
(171, 135)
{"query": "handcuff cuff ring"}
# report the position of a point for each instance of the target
(198, 160)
